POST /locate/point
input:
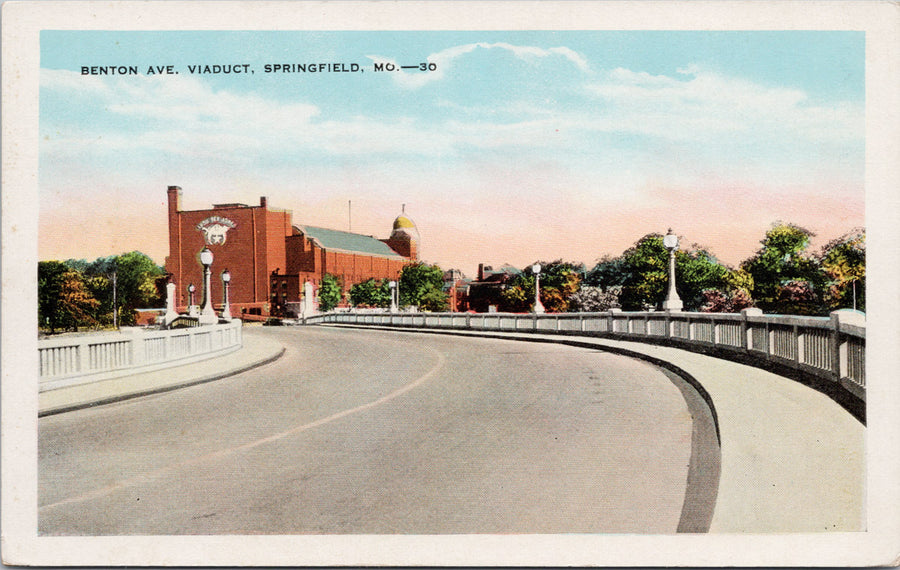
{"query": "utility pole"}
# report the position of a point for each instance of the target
(115, 307)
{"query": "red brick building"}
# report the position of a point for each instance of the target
(270, 259)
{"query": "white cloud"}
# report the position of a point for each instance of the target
(529, 53)
(703, 104)
(183, 118)
(178, 122)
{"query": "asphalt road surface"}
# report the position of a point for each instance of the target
(372, 432)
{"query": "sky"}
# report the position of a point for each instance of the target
(515, 147)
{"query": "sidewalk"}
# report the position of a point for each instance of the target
(256, 351)
(792, 459)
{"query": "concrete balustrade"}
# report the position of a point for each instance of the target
(831, 348)
(69, 361)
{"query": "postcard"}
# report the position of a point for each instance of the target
(450, 284)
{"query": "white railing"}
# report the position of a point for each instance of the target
(830, 347)
(67, 361)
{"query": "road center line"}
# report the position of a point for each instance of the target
(151, 475)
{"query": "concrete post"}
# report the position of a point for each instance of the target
(839, 365)
(308, 295)
(746, 331)
(84, 356)
(612, 320)
(136, 346)
(171, 314)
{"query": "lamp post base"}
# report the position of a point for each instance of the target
(207, 319)
(674, 305)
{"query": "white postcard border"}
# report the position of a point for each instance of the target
(22, 22)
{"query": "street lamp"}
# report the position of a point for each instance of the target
(226, 280)
(538, 307)
(115, 304)
(207, 314)
(672, 302)
(192, 311)
(392, 285)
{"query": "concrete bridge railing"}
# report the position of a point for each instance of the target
(68, 361)
(831, 348)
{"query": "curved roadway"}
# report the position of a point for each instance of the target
(369, 432)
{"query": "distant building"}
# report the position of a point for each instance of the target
(456, 286)
(270, 259)
(484, 292)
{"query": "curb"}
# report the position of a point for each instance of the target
(160, 389)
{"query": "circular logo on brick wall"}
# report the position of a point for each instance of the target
(215, 229)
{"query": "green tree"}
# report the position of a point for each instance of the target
(100, 287)
(421, 285)
(697, 270)
(50, 281)
(642, 271)
(371, 293)
(434, 300)
(843, 261)
(786, 279)
(329, 292)
(129, 278)
(80, 293)
(609, 272)
(559, 281)
(79, 265)
(733, 297)
(63, 300)
(739, 280)
(518, 297)
(76, 304)
(645, 270)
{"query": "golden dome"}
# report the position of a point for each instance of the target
(403, 222)
(404, 226)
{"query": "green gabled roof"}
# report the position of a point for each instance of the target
(345, 241)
